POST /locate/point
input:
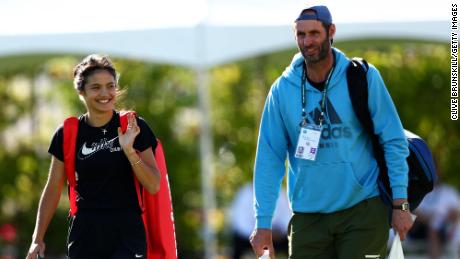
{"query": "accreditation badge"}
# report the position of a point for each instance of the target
(307, 145)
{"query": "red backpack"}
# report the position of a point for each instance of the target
(157, 212)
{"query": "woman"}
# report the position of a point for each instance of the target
(108, 223)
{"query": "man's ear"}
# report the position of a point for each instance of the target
(332, 31)
(294, 31)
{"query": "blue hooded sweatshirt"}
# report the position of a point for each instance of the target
(345, 171)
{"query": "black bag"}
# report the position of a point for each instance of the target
(422, 170)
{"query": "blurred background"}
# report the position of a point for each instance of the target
(198, 73)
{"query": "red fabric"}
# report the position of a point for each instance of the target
(70, 142)
(157, 211)
(8, 232)
(158, 215)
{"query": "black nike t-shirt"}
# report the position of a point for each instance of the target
(104, 173)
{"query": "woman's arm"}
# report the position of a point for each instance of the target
(143, 163)
(145, 168)
(47, 206)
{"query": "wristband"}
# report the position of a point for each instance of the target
(138, 161)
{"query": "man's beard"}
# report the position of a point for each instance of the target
(323, 51)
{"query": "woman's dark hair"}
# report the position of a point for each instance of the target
(88, 66)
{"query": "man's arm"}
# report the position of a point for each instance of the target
(388, 127)
(270, 160)
(269, 170)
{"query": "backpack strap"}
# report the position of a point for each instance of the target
(124, 126)
(124, 119)
(359, 95)
(69, 145)
(357, 89)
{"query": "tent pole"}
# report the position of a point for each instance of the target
(207, 164)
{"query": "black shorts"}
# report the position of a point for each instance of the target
(106, 233)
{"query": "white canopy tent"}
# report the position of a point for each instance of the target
(201, 34)
(205, 45)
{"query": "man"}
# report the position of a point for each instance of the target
(438, 220)
(308, 119)
(242, 222)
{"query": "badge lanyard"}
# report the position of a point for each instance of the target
(310, 135)
(303, 91)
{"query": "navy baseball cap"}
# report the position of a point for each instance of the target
(321, 13)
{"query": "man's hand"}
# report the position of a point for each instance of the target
(401, 221)
(261, 239)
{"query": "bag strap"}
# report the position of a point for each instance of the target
(124, 126)
(124, 119)
(70, 132)
(359, 95)
(357, 89)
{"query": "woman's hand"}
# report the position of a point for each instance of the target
(127, 139)
(36, 248)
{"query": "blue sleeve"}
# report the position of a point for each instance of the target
(388, 127)
(270, 163)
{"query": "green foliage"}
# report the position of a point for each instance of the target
(416, 74)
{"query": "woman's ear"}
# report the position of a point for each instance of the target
(82, 95)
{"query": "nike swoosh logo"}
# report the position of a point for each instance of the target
(88, 151)
(138, 256)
